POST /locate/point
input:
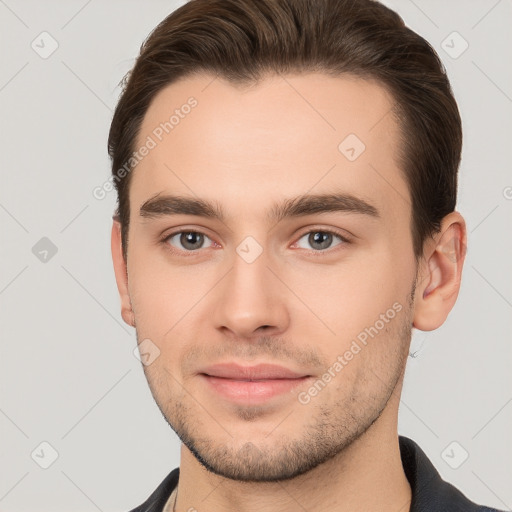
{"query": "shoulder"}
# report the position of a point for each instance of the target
(158, 498)
(430, 493)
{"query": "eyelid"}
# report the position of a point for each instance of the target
(343, 234)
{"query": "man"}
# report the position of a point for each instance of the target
(287, 176)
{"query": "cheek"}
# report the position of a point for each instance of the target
(162, 293)
(352, 294)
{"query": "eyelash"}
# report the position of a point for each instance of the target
(316, 253)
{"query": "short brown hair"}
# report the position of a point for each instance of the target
(244, 40)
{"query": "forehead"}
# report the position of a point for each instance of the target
(284, 136)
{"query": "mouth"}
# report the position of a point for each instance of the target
(252, 391)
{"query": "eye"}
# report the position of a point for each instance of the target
(321, 239)
(189, 240)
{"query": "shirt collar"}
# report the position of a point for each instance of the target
(430, 493)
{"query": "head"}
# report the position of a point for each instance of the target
(286, 174)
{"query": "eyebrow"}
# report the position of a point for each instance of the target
(166, 205)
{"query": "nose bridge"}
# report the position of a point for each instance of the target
(250, 274)
(249, 297)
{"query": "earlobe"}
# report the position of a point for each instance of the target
(439, 282)
(121, 273)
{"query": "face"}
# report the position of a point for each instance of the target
(295, 251)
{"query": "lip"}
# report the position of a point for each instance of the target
(262, 371)
(251, 384)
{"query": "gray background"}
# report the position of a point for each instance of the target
(67, 370)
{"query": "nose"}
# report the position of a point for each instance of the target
(251, 300)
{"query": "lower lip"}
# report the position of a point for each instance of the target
(252, 391)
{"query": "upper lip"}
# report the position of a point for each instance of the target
(257, 372)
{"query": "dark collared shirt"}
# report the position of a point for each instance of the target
(430, 493)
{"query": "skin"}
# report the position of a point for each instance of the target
(298, 304)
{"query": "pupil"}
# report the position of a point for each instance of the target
(321, 238)
(190, 239)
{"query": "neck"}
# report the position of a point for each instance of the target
(367, 476)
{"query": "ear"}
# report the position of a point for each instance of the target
(439, 274)
(121, 272)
